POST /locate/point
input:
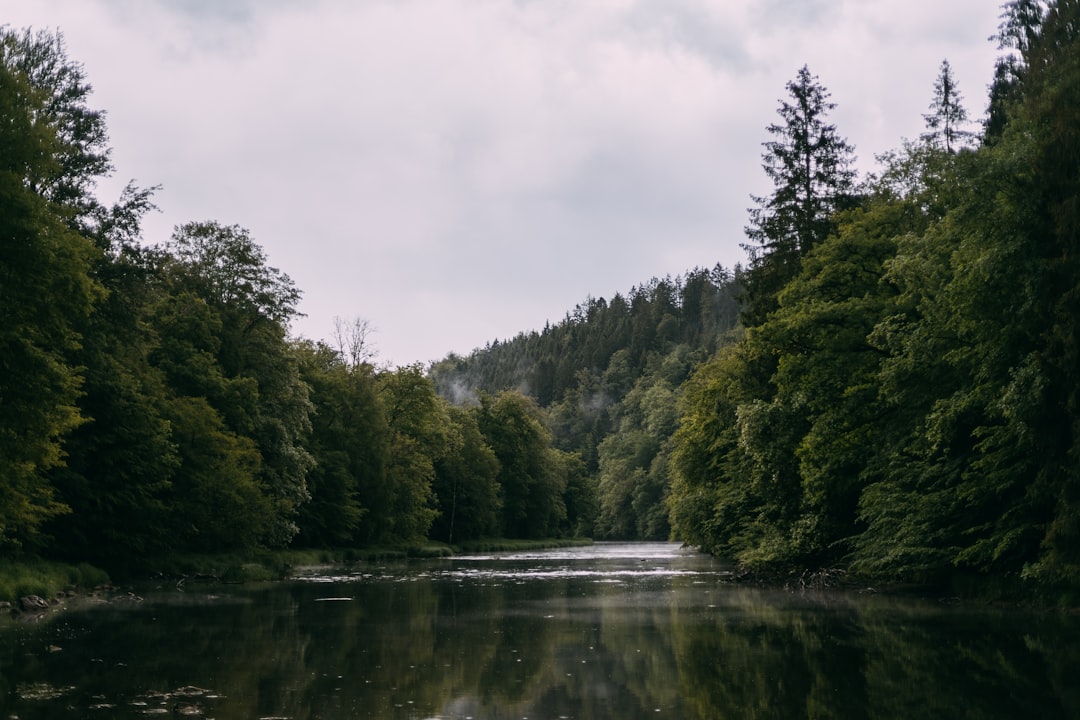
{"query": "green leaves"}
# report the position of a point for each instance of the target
(45, 287)
(918, 414)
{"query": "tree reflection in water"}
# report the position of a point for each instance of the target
(613, 630)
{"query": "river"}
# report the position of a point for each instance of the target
(613, 630)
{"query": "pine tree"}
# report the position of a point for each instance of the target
(810, 166)
(1021, 25)
(947, 117)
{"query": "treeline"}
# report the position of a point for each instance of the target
(608, 377)
(905, 401)
(890, 387)
(152, 401)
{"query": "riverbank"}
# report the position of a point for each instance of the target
(55, 581)
(46, 579)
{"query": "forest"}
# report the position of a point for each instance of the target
(153, 401)
(888, 389)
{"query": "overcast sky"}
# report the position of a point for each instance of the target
(457, 171)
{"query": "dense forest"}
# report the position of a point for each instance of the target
(889, 387)
(904, 399)
(608, 378)
(153, 402)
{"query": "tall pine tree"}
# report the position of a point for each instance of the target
(947, 117)
(810, 167)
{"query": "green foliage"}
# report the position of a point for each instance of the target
(227, 342)
(417, 438)
(466, 483)
(592, 372)
(45, 284)
(633, 479)
(348, 444)
(216, 497)
(709, 507)
(46, 579)
(908, 405)
(531, 476)
(903, 399)
(64, 174)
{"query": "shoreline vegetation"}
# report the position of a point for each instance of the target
(34, 588)
(56, 582)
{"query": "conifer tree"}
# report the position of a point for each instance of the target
(810, 167)
(947, 117)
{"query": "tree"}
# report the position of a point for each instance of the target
(216, 503)
(251, 304)
(46, 289)
(712, 503)
(224, 266)
(810, 167)
(1050, 220)
(81, 153)
(827, 374)
(947, 117)
(633, 477)
(532, 488)
(1019, 30)
(466, 483)
(352, 338)
(120, 463)
(417, 439)
(580, 498)
(348, 442)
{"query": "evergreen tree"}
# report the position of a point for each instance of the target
(947, 117)
(809, 165)
(1021, 24)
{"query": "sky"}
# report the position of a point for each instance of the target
(454, 172)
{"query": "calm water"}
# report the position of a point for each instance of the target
(610, 631)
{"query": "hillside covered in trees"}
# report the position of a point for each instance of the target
(890, 387)
(608, 378)
(900, 397)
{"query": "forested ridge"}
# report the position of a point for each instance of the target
(889, 388)
(608, 377)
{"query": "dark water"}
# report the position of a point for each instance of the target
(610, 631)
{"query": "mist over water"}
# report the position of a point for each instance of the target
(614, 630)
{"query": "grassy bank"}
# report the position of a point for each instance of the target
(46, 579)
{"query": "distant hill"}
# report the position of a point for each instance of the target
(609, 376)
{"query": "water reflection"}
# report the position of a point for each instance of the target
(611, 631)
